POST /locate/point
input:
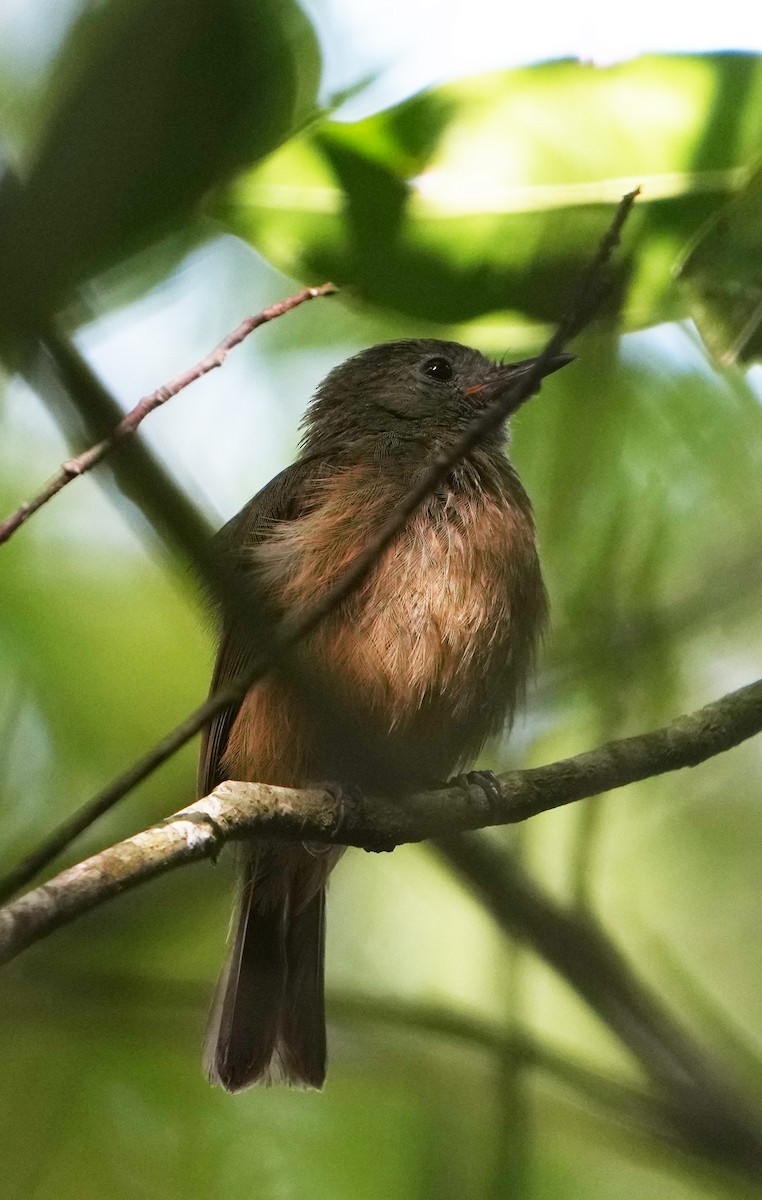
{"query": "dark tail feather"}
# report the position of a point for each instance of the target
(302, 1032)
(267, 1023)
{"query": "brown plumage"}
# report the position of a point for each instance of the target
(432, 653)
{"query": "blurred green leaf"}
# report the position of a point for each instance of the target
(76, 638)
(488, 196)
(151, 104)
(722, 274)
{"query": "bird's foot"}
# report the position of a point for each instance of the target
(486, 780)
(344, 796)
(351, 799)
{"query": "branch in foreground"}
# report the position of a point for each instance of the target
(84, 462)
(502, 404)
(244, 810)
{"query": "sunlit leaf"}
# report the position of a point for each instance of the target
(500, 197)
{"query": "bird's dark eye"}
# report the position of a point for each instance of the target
(439, 369)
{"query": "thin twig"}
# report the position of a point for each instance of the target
(84, 462)
(237, 810)
(504, 401)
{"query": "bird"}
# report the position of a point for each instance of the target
(430, 654)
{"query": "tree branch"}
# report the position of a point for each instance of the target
(84, 462)
(244, 810)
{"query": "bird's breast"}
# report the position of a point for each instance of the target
(439, 638)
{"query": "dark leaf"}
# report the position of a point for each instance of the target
(153, 103)
(722, 274)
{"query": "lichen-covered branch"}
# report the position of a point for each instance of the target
(242, 810)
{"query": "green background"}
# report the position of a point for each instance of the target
(173, 167)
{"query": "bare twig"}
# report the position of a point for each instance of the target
(504, 400)
(241, 810)
(592, 284)
(84, 462)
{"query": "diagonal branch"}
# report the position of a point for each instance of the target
(243, 810)
(504, 400)
(84, 462)
(708, 1113)
(713, 1112)
(639, 1109)
(658, 1113)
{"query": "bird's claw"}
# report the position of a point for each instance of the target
(486, 780)
(343, 795)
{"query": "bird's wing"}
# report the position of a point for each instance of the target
(281, 499)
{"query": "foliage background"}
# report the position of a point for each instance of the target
(181, 168)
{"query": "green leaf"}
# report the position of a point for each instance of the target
(152, 104)
(722, 274)
(490, 195)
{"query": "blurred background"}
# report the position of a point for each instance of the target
(169, 168)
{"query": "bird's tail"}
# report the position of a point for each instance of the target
(267, 1023)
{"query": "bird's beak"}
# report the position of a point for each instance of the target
(512, 371)
(554, 364)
